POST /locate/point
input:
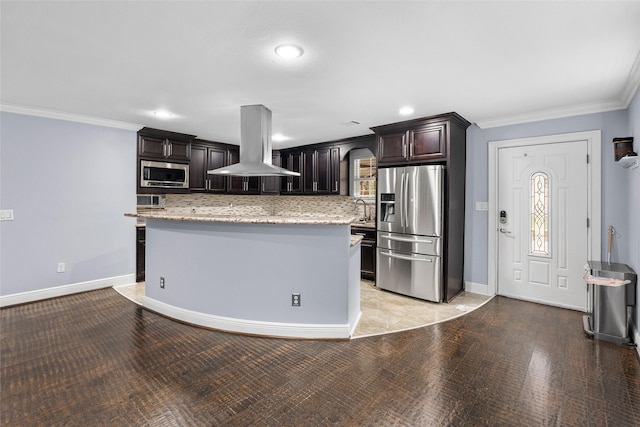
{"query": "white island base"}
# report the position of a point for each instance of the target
(240, 277)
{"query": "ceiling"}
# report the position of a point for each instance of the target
(494, 63)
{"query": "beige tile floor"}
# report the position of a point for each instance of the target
(382, 312)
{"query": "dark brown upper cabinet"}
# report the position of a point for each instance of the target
(321, 171)
(207, 155)
(393, 147)
(418, 141)
(424, 143)
(164, 145)
(428, 143)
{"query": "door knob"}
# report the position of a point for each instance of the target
(504, 230)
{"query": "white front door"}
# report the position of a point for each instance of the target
(542, 234)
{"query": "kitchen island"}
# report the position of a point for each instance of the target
(239, 273)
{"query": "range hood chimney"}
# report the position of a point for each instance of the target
(255, 146)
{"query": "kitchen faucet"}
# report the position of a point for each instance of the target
(364, 209)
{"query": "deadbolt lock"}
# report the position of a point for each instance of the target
(503, 217)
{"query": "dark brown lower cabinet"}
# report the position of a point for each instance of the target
(140, 248)
(367, 252)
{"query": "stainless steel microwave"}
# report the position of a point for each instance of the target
(163, 175)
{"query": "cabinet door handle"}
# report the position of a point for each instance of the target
(263, 187)
(336, 189)
(404, 149)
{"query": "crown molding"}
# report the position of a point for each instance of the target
(633, 82)
(630, 89)
(559, 113)
(29, 111)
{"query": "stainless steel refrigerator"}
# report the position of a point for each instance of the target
(410, 230)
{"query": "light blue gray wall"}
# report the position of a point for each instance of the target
(615, 183)
(249, 271)
(633, 213)
(69, 185)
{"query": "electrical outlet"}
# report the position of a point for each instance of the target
(295, 299)
(61, 267)
(162, 282)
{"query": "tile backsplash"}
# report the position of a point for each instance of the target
(266, 205)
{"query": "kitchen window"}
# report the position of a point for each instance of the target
(363, 174)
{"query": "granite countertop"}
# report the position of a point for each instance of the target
(355, 239)
(367, 224)
(310, 219)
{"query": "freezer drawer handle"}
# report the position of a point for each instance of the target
(408, 258)
(400, 239)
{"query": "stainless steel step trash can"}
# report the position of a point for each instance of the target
(612, 289)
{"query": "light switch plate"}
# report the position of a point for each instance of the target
(482, 206)
(6, 215)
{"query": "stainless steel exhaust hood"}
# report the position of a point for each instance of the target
(255, 146)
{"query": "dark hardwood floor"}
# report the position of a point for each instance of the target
(98, 359)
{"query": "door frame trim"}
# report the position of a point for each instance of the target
(594, 193)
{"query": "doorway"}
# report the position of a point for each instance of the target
(544, 217)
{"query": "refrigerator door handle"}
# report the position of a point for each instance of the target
(401, 239)
(405, 197)
(402, 205)
(406, 257)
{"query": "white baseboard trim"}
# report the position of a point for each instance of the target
(355, 324)
(252, 327)
(59, 291)
(476, 288)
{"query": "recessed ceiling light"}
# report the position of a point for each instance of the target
(163, 114)
(278, 137)
(289, 51)
(405, 111)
